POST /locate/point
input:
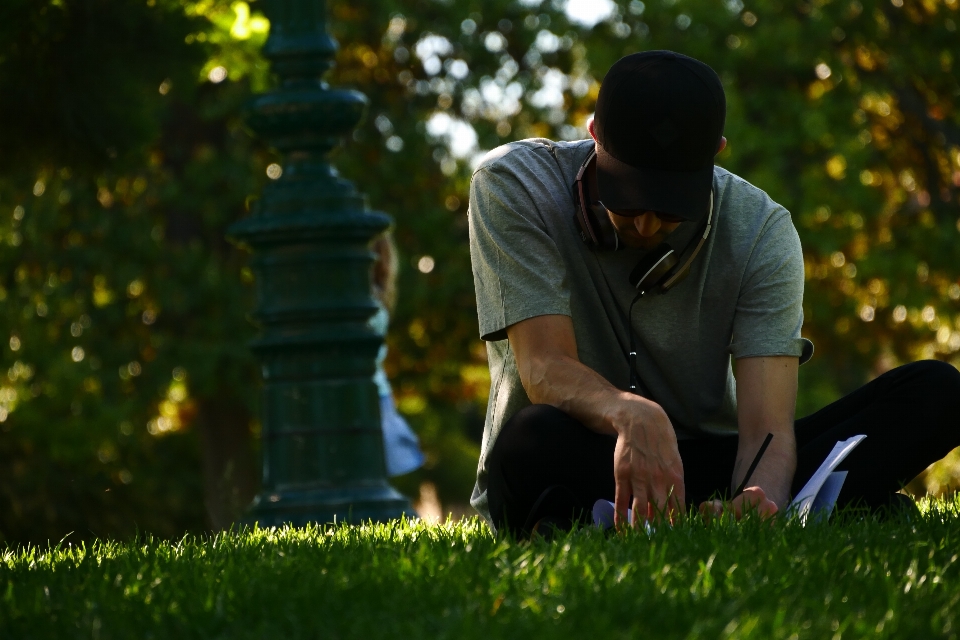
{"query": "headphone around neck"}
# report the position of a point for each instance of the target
(659, 270)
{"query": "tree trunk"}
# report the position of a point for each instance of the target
(230, 476)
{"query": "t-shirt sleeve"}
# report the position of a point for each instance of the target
(517, 269)
(769, 312)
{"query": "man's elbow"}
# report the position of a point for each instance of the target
(535, 379)
(544, 381)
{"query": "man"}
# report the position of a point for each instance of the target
(560, 235)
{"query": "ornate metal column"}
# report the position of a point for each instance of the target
(322, 444)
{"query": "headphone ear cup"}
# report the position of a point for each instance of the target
(604, 228)
(653, 268)
(672, 279)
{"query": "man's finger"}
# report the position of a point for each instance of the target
(753, 499)
(622, 480)
(658, 505)
(680, 495)
(767, 509)
(676, 507)
(639, 506)
(621, 502)
(758, 500)
(711, 509)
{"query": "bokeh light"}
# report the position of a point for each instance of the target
(426, 264)
(217, 74)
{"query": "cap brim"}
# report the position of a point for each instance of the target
(685, 194)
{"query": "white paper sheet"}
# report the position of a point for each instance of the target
(826, 498)
(805, 500)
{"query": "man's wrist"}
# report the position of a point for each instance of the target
(630, 411)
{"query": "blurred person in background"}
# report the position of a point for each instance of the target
(400, 444)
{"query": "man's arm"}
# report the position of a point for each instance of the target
(766, 403)
(647, 461)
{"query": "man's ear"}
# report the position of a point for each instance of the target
(723, 143)
(593, 132)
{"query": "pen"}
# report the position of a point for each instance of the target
(753, 465)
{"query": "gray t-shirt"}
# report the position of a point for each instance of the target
(743, 295)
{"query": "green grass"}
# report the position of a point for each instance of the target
(858, 578)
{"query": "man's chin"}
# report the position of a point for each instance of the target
(639, 242)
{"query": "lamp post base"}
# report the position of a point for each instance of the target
(352, 505)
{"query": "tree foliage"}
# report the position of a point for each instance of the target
(123, 304)
(125, 159)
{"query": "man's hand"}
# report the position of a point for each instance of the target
(752, 499)
(646, 461)
(647, 465)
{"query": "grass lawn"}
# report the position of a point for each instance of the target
(854, 578)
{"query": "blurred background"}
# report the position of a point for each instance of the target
(128, 397)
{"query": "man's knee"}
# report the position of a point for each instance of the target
(535, 418)
(940, 380)
(931, 388)
(523, 434)
(945, 374)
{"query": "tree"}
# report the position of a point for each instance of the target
(124, 304)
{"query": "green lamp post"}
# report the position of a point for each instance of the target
(323, 458)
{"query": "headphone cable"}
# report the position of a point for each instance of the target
(632, 358)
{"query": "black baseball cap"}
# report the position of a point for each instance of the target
(659, 121)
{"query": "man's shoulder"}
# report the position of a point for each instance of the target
(750, 203)
(747, 216)
(531, 151)
(731, 183)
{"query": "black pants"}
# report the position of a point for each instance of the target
(911, 416)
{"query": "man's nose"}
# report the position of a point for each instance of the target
(647, 224)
